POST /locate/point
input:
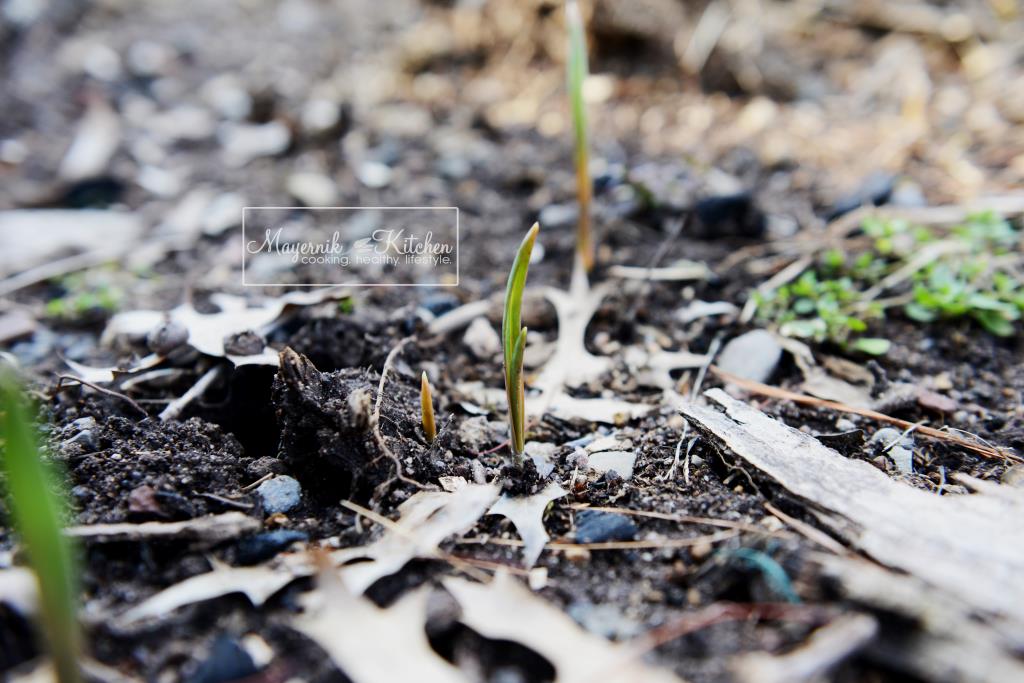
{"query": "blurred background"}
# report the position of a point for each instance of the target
(184, 112)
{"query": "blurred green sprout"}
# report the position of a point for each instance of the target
(576, 73)
(37, 512)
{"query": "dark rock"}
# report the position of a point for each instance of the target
(735, 215)
(846, 443)
(261, 467)
(175, 505)
(166, 337)
(142, 502)
(246, 343)
(439, 304)
(227, 661)
(255, 549)
(875, 190)
(593, 526)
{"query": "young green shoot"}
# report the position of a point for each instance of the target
(576, 73)
(37, 513)
(513, 340)
(427, 409)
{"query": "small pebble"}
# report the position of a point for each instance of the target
(1014, 476)
(279, 494)
(312, 189)
(227, 661)
(374, 174)
(593, 526)
(246, 343)
(482, 340)
(260, 547)
(166, 337)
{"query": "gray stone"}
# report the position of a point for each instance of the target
(618, 461)
(279, 494)
(752, 356)
(482, 340)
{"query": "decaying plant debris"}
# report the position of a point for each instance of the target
(772, 432)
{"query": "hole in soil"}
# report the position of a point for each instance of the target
(243, 408)
(16, 640)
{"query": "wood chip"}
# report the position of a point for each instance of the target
(971, 546)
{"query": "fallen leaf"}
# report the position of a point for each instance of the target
(374, 645)
(256, 583)
(427, 519)
(208, 331)
(506, 610)
(527, 515)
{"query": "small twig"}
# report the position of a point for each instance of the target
(715, 345)
(375, 419)
(808, 531)
(224, 501)
(679, 451)
(719, 612)
(681, 519)
(992, 452)
(250, 487)
(399, 530)
(904, 434)
(686, 466)
(174, 408)
(611, 545)
(61, 379)
(783, 277)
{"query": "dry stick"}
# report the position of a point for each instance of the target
(926, 256)
(713, 348)
(838, 229)
(716, 613)
(377, 434)
(682, 519)
(612, 545)
(174, 408)
(783, 277)
(103, 390)
(808, 531)
(994, 453)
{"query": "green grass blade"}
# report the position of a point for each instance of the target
(38, 513)
(511, 331)
(576, 73)
(519, 393)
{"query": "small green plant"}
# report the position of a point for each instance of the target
(85, 294)
(37, 514)
(513, 338)
(427, 409)
(822, 310)
(576, 73)
(971, 272)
